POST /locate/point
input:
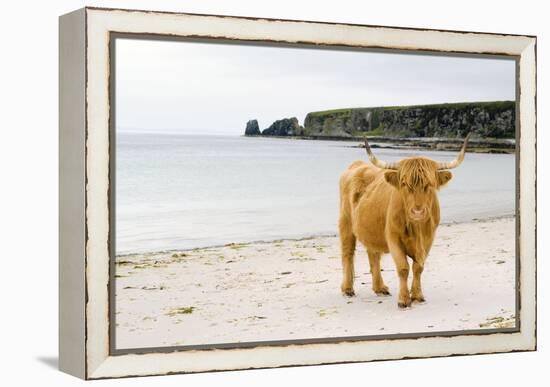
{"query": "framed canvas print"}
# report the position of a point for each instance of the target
(244, 193)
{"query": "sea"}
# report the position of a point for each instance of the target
(178, 191)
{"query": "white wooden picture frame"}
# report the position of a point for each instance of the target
(85, 193)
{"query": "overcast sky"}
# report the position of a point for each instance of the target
(216, 88)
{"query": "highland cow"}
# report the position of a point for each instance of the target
(391, 208)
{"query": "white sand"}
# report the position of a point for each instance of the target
(291, 290)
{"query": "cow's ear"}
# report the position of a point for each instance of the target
(391, 177)
(443, 178)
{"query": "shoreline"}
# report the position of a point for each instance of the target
(292, 239)
(491, 146)
(290, 289)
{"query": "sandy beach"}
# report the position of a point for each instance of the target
(290, 289)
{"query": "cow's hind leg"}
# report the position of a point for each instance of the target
(347, 244)
(377, 281)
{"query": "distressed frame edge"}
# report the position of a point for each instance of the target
(72, 180)
(106, 366)
(528, 191)
(108, 9)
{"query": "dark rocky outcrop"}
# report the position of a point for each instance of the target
(252, 128)
(284, 127)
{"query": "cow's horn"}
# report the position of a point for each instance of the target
(456, 162)
(379, 163)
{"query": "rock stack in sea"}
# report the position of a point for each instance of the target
(252, 128)
(284, 127)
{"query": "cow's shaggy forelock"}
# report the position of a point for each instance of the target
(417, 172)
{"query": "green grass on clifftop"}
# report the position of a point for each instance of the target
(493, 105)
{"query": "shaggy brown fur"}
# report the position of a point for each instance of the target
(390, 211)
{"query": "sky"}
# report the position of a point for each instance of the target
(213, 88)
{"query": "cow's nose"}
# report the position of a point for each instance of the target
(417, 212)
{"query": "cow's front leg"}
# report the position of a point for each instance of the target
(416, 287)
(402, 266)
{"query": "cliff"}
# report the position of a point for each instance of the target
(485, 119)
(494, 120)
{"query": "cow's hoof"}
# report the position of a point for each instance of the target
(348, 292)
(404, 304)
(418, 299)
(383, 291)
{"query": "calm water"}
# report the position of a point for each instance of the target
(186, 191)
